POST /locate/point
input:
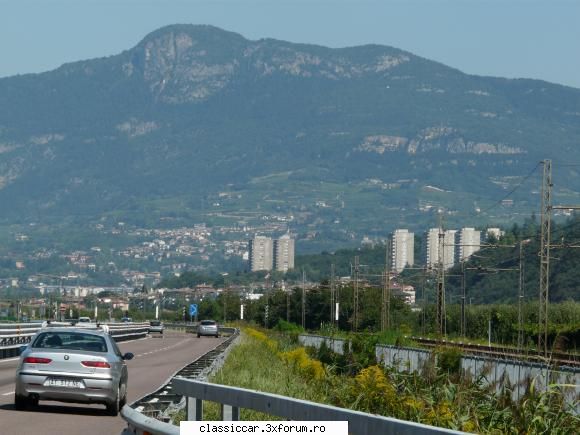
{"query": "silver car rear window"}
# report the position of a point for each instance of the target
(70, 341)
(208, 323)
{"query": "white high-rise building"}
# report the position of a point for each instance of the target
(403, 250)
(284, 253)
(432, 244)
(469, 243)
(261, 253)
(267, 254)
(448, 248)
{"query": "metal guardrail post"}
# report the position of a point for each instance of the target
(194, 409)
(230, 413)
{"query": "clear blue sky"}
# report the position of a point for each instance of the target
(509, 38)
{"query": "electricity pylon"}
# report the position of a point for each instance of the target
(545, 257)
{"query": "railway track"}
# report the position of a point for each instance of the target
(504, 352)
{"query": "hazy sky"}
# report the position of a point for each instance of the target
(509, 38)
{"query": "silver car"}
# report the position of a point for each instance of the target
(208, 327)
(156, 326)
(72, 365)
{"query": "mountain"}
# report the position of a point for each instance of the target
(197, 123)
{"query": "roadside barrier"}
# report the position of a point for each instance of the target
(151, 413)
(188, 389)
(15, 335)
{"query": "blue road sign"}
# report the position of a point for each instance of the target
(193, 310)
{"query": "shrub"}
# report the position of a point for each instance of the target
(290, 330)
(449, 360)
(363, 350)
(372, 391)
(299, 360)
(260, 336)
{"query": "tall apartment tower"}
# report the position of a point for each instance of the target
(469, 243)
(448, 241)
(449, 249)
(284, 253)
(432, 244)
(261, 253)
(403, 249)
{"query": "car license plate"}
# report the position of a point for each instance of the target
(64, 383)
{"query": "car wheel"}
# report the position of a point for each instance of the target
(123, 400)
(20, 402)
(113, 407)
(198, 336)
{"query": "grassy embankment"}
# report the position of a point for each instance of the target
(437, 396)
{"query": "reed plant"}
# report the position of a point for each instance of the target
(434, 396)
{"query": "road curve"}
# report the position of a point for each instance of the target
(156, 359)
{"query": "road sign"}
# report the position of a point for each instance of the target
(193, 310)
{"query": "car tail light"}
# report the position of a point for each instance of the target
(97, 364)
(35, 360)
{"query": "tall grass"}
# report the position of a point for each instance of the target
(433, 397)
(262, 364)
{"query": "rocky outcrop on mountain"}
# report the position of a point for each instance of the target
(430, 139)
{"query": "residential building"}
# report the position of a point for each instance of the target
(434, 249)
(403, 250)
(432, 245)
(449, 249)
(406, 293)
(496, 233)
(469, 243)
(261, 249)
(268, 254)
(284, 253)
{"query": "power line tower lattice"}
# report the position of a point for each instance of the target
(545, 257)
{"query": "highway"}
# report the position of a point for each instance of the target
(156, 359)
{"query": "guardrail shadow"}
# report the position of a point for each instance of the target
(86, 410)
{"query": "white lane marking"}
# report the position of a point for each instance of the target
(8, 394)
(9, 359)
(161, 349)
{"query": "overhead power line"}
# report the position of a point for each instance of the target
(511, 192)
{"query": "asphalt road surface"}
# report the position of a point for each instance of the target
(156, 359)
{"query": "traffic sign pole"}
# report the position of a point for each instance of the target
(192, 312)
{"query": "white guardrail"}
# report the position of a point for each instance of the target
(15, 335)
